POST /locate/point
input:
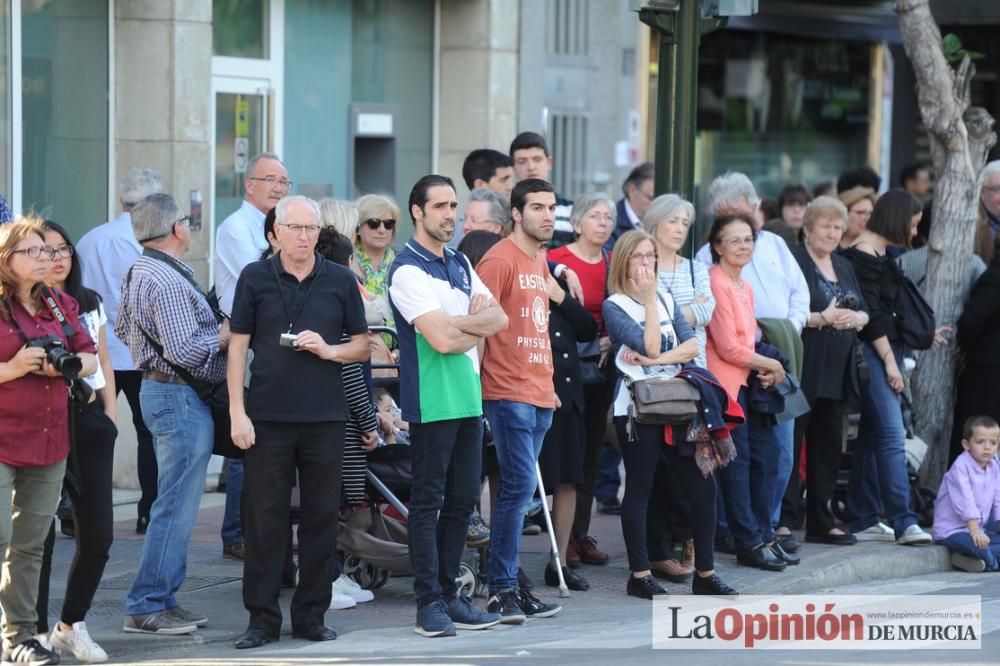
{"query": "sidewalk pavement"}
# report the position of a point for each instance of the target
(213, 584)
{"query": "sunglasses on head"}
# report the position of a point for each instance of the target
(375, 223)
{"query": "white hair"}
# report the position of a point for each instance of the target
(988, 170)
(728, 188)
(139, 184)
(281, 210)
(662, 209)
(584, 203)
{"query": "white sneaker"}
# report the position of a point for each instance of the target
(345, 585)
(914, 536)
(340, 601)
(877, 532)
(78, 642)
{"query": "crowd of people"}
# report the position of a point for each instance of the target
(522, 329)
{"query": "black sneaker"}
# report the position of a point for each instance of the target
(712, 585)
(534, 607)
(508, 605)
(29, 652)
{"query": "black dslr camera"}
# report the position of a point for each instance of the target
(66, 362)
(849, 301)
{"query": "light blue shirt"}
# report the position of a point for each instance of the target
(106, 253)
(779, 288)
(238, 242)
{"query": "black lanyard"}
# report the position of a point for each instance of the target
(48, 296)
(317, 270)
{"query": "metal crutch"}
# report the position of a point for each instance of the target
(563, 590)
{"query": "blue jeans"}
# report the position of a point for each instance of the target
(183, 431)
(748, 483)
(232, 525)
(878, 468)
(785, 432)
(518, 432)
(961, 542)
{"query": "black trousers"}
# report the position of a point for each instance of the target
(93, 517)
(668, 520)
(129, 381)
(642, 459)
(791, 502)
(446, 460)
(596, 400)
(316, 451)
(824, 429)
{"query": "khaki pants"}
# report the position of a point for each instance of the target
(28, 500)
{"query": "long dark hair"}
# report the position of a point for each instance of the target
(87, 298)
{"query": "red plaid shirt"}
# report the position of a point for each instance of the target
(34, 410)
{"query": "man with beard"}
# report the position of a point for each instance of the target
(517, 386)
(443, 312)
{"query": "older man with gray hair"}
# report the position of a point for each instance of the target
(175, 338)
(487, 211)
(781, 305)
(292, 310)
(106, 253)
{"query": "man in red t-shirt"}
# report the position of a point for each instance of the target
(517, 386)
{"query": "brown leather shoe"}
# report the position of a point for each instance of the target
(572, 556)
(687, 556)
(671, 570)
(589, 552)
(237, 551)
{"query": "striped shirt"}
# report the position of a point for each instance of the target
(168, 308)
(362, 420)
(678, 284)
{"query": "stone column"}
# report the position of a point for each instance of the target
(163, 101)
(479, 80)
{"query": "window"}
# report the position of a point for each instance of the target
(64, 74)
(568, 142)
(240, 28)
(6, 133)
(566, 27)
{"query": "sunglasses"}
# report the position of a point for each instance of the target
(375, 223)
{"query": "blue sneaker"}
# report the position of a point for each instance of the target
(466, 616)
(433, 621)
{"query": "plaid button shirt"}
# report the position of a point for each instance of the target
(171, 311)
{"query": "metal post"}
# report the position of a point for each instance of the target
(679, 32)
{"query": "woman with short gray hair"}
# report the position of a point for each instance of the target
(593, 220)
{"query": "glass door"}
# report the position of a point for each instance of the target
(241, 131)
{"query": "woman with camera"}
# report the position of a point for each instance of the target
(34, 423)
(829, 378)
(90, 467)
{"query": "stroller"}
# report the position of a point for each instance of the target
(374, 540)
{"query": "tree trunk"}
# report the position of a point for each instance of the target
(960, 139)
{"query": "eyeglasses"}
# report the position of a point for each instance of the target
(284, 183)
(64, 251)
(643, 258)
(737, 242)
(37, 251)
(310, 229)
(375, 223)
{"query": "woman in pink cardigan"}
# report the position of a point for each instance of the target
(748, 481)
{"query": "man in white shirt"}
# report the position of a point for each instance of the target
(106, 252)
(779, 292)
(240, 241)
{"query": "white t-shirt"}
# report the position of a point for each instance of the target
(93, 322)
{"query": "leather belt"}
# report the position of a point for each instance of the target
(163, 377)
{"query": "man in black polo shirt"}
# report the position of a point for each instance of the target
(286, 308)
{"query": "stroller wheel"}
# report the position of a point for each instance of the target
(365, 574)
(467, 581)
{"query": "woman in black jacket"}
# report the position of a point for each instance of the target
(561, 458)
(978, 332)
(878, 467)
(836, 313)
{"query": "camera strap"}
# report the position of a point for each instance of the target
(48, 296)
